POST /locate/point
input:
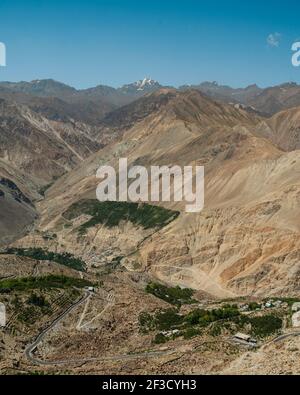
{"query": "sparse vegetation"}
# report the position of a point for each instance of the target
(254, 306)
(65, 259)
(42, 191)
(44, 188)
(147, 322)
(27, 315)
(112, 213)
(160, 320)
(37, 300)
(160, 339)
(173, 295)
(216, 329)
(191, 332)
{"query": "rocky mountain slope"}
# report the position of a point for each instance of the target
(17, 211)
(267, 101)
(226, 93)
(61, 102)
(245, 241)
(42, 148)
(283, 129)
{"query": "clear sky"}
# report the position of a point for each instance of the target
(113, 42)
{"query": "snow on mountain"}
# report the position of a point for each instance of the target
(142, 86)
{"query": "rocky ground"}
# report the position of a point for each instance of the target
(104, 336)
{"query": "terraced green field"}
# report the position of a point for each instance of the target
(65, 259)
(112, 213)
(46, 282)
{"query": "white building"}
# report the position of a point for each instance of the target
(296, 306)
(242, 336)
(296, 319)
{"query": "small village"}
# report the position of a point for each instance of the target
(261, 307)
(246, 323)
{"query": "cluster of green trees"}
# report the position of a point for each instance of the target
(254, 306)
(65, 259)
(161, 320)
(262, 326)
(46, 282)
(112, 213)
(191, 324)
(204, 317)
(188, 325)
(168, 319)
(173, 295)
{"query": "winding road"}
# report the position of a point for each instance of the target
(29, 350)
(285, 336)
(33, 346)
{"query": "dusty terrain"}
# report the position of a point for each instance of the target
(245, 243)
(103, 336)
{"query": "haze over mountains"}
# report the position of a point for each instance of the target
(58, 101)
(54, 137)
(92, 103)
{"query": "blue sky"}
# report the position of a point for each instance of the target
(113, 42)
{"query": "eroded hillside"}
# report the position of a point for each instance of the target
(245, 241)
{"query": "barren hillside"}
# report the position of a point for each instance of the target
(245, 241)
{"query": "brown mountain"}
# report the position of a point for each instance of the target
(266, 101)
(34, 151)
(58, 101)
(244, 239)
(42, 148)
(283, 129)
(277, 98)
(226, 93)
(247, 235)
(17, 211)
(61, 102)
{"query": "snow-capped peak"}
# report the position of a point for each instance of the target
(140, 87)
(141, 84)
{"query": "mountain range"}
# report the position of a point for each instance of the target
(98, 283)
(53, 137)
(58, 100)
